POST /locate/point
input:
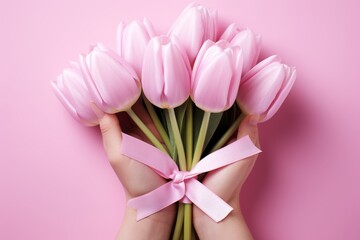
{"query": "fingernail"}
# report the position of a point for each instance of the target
(100, 114)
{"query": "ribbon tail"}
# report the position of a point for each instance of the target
(206, 200)
(146, 154)
(158, 199)
(236, 151)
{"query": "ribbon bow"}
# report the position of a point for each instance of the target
(183, 185)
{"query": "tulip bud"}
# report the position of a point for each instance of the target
(247, 40)
(71, 90)
(132, 41)
(112, 82)
(166, 73)
(193, 27)
(264, 88)
(216, 76)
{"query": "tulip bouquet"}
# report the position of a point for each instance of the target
(195, 86)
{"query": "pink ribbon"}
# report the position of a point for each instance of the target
(183, 186)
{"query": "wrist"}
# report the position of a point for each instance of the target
(203, 223)
(157, 226)
(232, 227)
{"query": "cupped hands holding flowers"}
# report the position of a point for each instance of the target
(197, 89)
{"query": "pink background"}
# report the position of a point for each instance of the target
(55, 182)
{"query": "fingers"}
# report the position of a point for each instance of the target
(111, 133)
(227, 182)
(249, 127)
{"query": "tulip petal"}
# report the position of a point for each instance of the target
(261, 65)
(114, 83)
(134, 44)
(57, 86)
(281, 96)
(132, 41)
(257, 94)
(236, 58)
(166, 73)
(176, 78)
(95, 95)
(78, 96)
(193, 27)
(199, 61)
(230, 32)
(72, 92)
(153, 72)
(246, 39)
(149, 28)
(211, 91)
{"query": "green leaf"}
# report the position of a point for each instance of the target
(180, 114)
(197, 119)
(173, 152)
(214, 122)
(228, 117)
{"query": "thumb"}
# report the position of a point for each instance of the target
(111, 133)
(249, 127)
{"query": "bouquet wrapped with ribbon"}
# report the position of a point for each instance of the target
(196, 86)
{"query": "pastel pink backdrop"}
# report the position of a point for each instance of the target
(55, 181)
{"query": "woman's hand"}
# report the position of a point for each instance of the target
(136, 178)
(226, 183)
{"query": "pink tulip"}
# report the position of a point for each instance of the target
(132, 41)
(247, 40)
(71, 90)
(112, 82)
(265, 87)
(216, 76)
(166, 73)
(193, 27)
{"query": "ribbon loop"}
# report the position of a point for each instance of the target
(191, 190)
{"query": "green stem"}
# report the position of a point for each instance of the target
(189, 153)
(187, 222)
(227, 135)
(157, 123)
(145, 130)
(201, 139)
(178, 141)
(179, 222)
(189, 135)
